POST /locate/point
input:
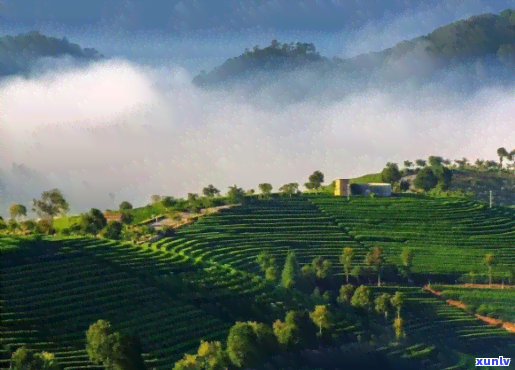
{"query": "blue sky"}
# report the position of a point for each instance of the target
(102, 134)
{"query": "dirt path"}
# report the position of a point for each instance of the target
(508, 326)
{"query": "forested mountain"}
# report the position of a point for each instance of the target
(18, 52)
(479, 36)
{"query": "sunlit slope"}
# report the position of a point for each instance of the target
(60, 293)
(446, 235)
(236, 236)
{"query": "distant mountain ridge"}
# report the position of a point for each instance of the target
(19, 52)
(478, 36)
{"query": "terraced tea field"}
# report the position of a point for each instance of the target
(500, 301)
(447, 236)
(60, 294)
(236, 236)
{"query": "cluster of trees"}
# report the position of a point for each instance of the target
(249, 342)
(361, 299)
(26, 359)
(491, 262)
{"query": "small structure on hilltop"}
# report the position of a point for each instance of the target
(343, 188)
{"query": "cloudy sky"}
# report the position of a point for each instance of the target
(104, 132)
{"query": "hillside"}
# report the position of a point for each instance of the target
(476, 37)
(19, 52)
(198, 283)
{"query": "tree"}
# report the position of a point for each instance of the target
(192, 197)
(93, 222)
(383, 304)
(502, 153)
(289, 189)
(25, 359)
(265, 260)
(490, 261)
(125, 206)
(444, 176)
(356, 272)
(321, 317)
(425, 179)
(235, 195)
(374, 259)
(346, 260)
(408, 164)
(361, 298)
(284, 333)
(398, 300)
(167, 201)
(17, 210)
(315, 180)
(407, 259)
(265, 189)
(52, 203)
(420, 162)
(211, 356)
(115, 351)
(291, 270)
(240, 344)
(391, 173)
(210, 191)
(126, 218)
(250, 192)
(346, 293)
(155, 198)
(398, 325)
(272, 273)
(113, 230)
(404, 185)
(435, 161)
(188, 362)
(100, 343)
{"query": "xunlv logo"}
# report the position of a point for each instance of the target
(493, 361)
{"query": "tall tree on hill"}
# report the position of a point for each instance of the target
(155, 198)
(425, 179)
(383, 304)
(361, 298)
(235, 195)
(93, 222)
(115, 351)
(435, 161)
(398, 300)
(391, 173)
(479, 163)
(17, 210)
(315, 180)
(502, 153)
(346, 260)
(125, 206)
(490, 261)
(407, 259)
(321, 317)
(210, 191)
(408, 164)
(52, 203)
(266, 189)
(241, 343)
(374, 259)
(289, 189)
(291, 271)
(420, 162)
